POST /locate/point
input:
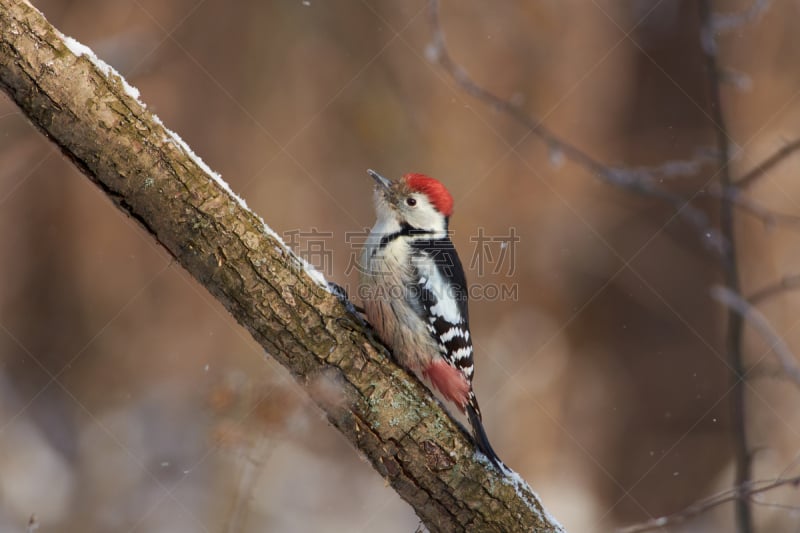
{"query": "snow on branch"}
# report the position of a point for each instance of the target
(81, 50)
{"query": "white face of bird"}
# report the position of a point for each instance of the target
(398, 203)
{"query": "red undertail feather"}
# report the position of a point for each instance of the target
(449, 381)
(437, 193)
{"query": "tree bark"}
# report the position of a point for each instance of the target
(147, 171)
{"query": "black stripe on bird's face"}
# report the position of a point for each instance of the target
(406, 230)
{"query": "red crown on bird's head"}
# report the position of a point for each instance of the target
(437, 193)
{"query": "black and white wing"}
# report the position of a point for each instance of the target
(442, 299)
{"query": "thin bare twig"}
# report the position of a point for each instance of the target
(774, 505)
(722, 22)
(678, 168)
(768, 164)
(702, 506)
(717, 23)
(748, 206)
(252, 462)
(730, 265)
(738, 304)
(633, 180)
(787, 283)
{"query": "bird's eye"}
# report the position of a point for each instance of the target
(411, 201)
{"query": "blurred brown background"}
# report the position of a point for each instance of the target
(601, 373)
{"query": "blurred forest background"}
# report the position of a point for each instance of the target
(601, 370)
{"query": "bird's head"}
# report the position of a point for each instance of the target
(415, 200)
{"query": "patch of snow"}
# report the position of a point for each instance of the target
(526, 494)
(80, 49)
(314, 274)
(176, 140)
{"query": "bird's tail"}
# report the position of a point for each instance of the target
(479, 434)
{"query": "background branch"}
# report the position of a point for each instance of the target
(737, 304)
(640, 181)
(746, 205)
(730, 268)
(785, 284)
(763, 168)
(637, 180)
(698, 508)
(149, 173)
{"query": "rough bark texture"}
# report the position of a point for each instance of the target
(386, 414)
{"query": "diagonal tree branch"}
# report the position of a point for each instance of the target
(85, 108)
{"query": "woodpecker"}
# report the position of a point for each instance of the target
(415, 291)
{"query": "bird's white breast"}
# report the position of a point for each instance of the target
(385, 283)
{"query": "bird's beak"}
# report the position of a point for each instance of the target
(380, 180)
